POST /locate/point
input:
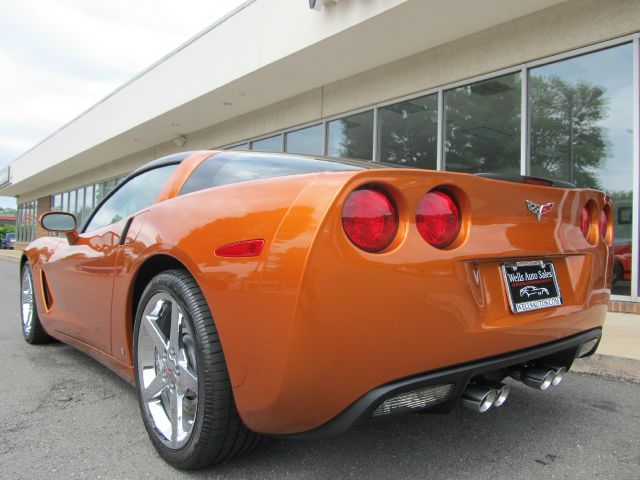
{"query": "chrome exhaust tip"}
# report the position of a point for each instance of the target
(559, 375)
(479, 397)
(503, 393)
(540, 378)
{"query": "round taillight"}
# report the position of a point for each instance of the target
(604, 223)
(369, 219)
(438, 219)
(585, 222)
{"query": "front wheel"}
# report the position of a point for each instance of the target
(32, 330)
(182, 382)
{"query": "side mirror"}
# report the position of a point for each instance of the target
(60, 222)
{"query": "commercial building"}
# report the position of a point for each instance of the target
(546, 88)
(7, 220)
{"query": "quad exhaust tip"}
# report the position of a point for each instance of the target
(483, 395)
(540, 377)
(480, 397)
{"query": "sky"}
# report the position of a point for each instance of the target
(58, 58)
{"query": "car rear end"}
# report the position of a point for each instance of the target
(420, 286)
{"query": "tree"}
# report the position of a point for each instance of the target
(8, 211)
(567, 141)
(4, 229)
(482, 131)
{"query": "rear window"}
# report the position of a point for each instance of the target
(234, 167)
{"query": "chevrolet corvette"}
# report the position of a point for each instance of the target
(249, 294)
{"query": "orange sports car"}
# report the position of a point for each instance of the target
(247, 294)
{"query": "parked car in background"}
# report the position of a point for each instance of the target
(248, 294)
(9, 241)
(621, 261)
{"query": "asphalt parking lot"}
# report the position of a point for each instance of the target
(63, 415)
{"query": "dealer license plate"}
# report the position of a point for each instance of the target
(531, 285)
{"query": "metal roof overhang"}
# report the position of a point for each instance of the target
(262, 53)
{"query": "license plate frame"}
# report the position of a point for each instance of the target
(531, 285)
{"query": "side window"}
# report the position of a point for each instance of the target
(138, 193)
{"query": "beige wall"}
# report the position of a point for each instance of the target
(558, 29)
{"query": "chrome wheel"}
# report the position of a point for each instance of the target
(26, 301)
(167, 373)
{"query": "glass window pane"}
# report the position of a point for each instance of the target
(109, 185)
(242, 146)
(234, 167)
(88, 203)
(72, 202)
(307, 140)
(56, 203)
(270, 144)
(138, 193)
(88, 198)
(79, 205)
(99, 192)
(482, 131)
(408, 132)
(581, 117)
(65, 202)
(351, 137)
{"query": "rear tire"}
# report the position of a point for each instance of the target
(182, 382)
(32, 330)
(618, 272)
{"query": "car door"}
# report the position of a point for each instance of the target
(81, 274)
(80, 277)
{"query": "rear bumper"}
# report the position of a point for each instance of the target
(560, 353)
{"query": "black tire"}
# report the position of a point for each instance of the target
(217, 432)
(32, 330)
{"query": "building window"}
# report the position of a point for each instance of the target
(26, 221)
(581, 117)
(240, 146)
(408, 132)
(309, 140)
(482, 127)
(56, 203)
(351, 137)
(79, 206)
(269, 144)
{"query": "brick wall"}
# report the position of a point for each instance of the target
(44, 205)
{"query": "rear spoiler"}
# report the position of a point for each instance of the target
(545, 182)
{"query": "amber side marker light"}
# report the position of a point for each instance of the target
(370, 219)
(246, 248)
(438, 218)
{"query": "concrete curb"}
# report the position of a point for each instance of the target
(608, 365)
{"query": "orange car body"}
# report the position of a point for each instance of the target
(313, 323)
